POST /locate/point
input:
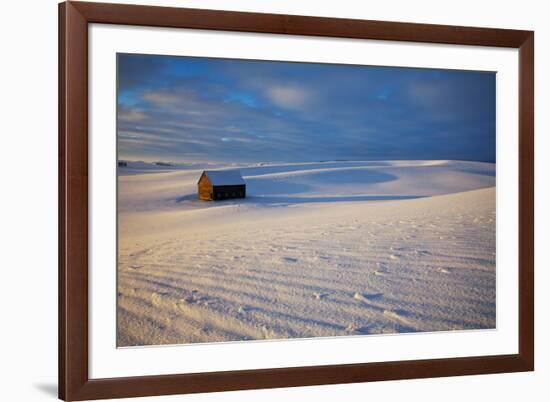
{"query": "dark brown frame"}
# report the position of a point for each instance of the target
(74, 383)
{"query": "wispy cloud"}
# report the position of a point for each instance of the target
(160, 98)
(288, 97)
(131, 115)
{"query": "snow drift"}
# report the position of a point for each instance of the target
(316, 249)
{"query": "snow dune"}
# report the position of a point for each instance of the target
(316, 249)
(308, 182)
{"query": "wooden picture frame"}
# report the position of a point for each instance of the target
(74, 381)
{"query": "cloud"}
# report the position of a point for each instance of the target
(160, 98)
(201, 109)
(288, 97)
(132, 115)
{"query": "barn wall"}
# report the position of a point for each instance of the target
(227, 192)
(205, 189)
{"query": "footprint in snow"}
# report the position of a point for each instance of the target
(367, 297)
(157, 298)
(267, 332)
(381, 269)
(352, 329)
(139, 253)
(360, 297)
(399, 316)
(242, 310)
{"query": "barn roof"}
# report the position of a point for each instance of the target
(224, 177)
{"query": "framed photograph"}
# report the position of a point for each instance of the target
(259, 200)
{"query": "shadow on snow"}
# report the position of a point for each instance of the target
(283, 200)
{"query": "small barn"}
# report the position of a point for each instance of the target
(221, 185)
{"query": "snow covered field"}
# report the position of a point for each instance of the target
(316, 249)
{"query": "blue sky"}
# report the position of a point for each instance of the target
(185, 109)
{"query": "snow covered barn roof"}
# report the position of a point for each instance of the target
(224, 177)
